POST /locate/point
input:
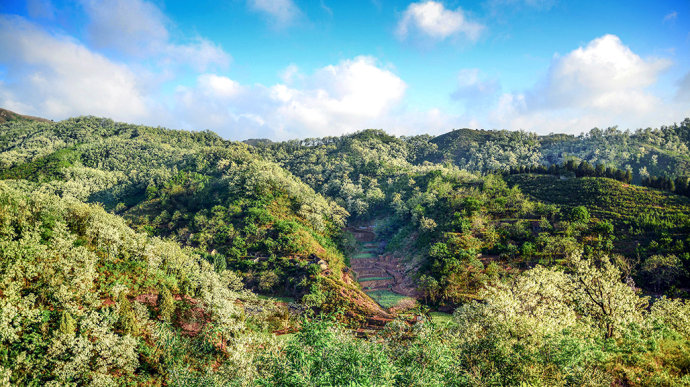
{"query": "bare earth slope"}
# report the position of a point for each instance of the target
(379, 271)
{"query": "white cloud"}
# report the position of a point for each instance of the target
(601, 84)
(290, 73)
(139, 29)
(133, 27)
(670, 17)
(339, 98)
(56, 77)
(219, 86)
(599, 76)
(335, 99)
(432, 19)
(200, 55)
(284, 12)
(211, 104)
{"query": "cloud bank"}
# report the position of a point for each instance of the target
(333, 100)
(603, 83)
(55, 76)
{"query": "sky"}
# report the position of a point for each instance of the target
(284, 69)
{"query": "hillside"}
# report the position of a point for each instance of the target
(241, 211)
(606, 198)
(134, 255)
(87, 300)
(655, 152)
(7, 116)
(647, 223)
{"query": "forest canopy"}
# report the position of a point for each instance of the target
(139, 255)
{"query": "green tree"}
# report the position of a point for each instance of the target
(166, 304)
(580, 214)
(68, 325)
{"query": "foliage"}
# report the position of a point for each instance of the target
(541, 244)
(65, 262)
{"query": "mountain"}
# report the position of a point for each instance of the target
(6, 116)
(138, 255)
(656, 152)
(238, 210)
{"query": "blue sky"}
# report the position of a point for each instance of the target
(293, 69)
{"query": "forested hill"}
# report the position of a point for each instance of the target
(656, 152)
(245, 213)
(645, 152)
(134, 255)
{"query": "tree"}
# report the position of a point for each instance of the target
(662, 271)
(166, 304)
(219, 263)
(67, 324)
(580, 214)
(628, 177)
(599, 294)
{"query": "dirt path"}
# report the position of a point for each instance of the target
(376, 270)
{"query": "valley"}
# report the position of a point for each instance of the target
(146, 256)
(384, 276)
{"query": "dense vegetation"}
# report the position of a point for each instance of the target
(134, 255)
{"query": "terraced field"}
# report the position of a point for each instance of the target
(383, 276)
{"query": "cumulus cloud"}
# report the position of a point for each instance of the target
(334, 99)
(601, 84)
(138, 29)
(601, 75)
(219, 86)
(284, 12)
(130, 26)
(340, 96)
(433, 20)
(57, 77)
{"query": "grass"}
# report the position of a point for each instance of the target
(276, 298)
(363, 256)
(375, 279)
(285, 337)
(386, 298)
(441, 318)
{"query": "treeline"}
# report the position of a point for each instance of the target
(578, 168)
(679, 185)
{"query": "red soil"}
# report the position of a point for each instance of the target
(389, 266)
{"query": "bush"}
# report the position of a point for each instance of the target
(579, 214)
(662, 271)
(324, 354)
